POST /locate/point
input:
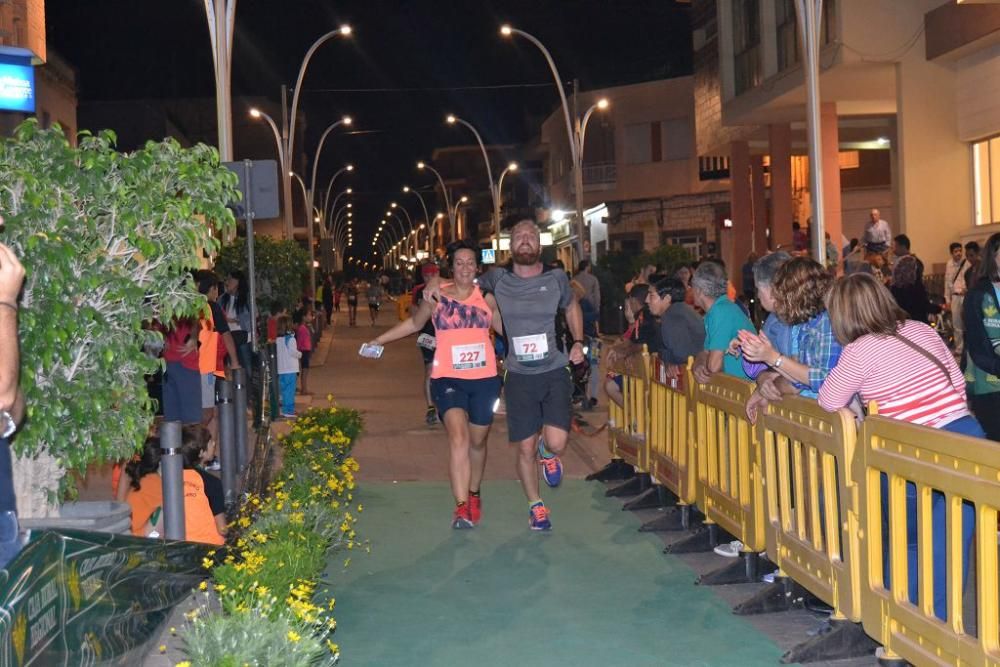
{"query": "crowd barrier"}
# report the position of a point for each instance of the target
(806, 486)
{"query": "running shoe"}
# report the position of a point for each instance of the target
(731, 550)
(538, 517)
(475, 509)
(213, 465)
(288, 415)
(461, 519)
(551, 465)
(432, 416)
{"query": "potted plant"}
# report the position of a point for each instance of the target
(281, 267)
(108, 241)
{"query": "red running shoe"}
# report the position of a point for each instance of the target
(475, 509)
(461, 519)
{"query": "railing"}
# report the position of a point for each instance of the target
(894, 526)
(602, 173)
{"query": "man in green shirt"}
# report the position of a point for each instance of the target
(723, 321)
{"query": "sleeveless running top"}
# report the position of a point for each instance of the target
(464, 349)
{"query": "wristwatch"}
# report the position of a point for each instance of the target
(581, 342)
(7, 424)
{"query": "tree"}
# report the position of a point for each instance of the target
(108, 241)
(282, 269)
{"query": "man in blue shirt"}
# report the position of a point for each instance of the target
(723, 321)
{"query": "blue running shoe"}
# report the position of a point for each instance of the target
(538, 517)
(551, 465)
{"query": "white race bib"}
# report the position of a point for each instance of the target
(427, 341)
(467, 357)
(531, 348)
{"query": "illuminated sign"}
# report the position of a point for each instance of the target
(489, 256)
(17, 84)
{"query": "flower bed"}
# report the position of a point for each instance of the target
(271, 611)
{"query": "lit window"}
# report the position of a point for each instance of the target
(986, 180)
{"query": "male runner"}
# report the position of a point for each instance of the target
(538, 385)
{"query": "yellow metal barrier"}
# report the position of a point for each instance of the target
(730, 492)
(811, 500)
(962, 469)
(671, 433)
(628, 435)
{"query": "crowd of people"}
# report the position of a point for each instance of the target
(847, 341)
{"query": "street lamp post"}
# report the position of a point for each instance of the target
(402, 227)
(447, 200)
(510, 167)
(327, 207)
(454, 215)
(494, 194)
(574, 131)
(346, 120)
(808, 16)
(329, 186)
(221, 15)
(287, 133)
(427, 218)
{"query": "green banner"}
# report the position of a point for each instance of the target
(80, 598)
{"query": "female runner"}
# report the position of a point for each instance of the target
(464, 380)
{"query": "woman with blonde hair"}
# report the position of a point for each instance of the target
(907, 370)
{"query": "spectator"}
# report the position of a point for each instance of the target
(908, 283)
(981, 313)
(641, 331)
(970, 276)
(11, 399)
(592, 287)
(682, 331)
(877, 234)
(215, 344)
(954, 294)
(800, 242)
(328, 298)
(723, 321)
(642, 278)
(235, 303)
(800, 287)
(775, 329)
(145, 488)
(832, 256)
(200, 525)
(304, 342)
(904, 367)
(288, 366)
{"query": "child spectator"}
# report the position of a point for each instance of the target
(288, 366)
(145, 490)
(304, 342)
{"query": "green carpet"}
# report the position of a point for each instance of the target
(594, 591)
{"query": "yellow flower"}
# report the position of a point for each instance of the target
(220, 587)
(203, 586)
(186, 663)
(163, 648)
(293, 636)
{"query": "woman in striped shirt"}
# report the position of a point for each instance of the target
(907, 370)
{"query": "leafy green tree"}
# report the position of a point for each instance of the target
(282, 269)
(108, 241)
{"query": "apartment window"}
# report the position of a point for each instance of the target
(746, 44)
(788, 30)
(677, 139)
(986, 177)
(788, 34)
(638, 146)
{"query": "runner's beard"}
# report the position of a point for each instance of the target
(527, 257)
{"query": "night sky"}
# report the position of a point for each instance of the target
(415, 60)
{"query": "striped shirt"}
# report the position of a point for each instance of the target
(905, 384)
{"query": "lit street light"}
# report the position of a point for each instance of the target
(454, 215)
(575, 132)
(447, 201)
(494, 190)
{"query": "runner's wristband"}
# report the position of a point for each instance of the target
(579, 341)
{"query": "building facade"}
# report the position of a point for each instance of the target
(909, 102)
(643, 182)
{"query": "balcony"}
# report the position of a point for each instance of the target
(597, 176)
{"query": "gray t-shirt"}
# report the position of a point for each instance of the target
(682, 332)
(528, 307)
(592, 286)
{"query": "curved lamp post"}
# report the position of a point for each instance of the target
(447, 200)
